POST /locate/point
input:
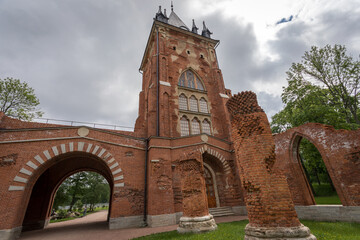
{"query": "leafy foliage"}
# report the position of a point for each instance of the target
(324, 88)
(82, 188)
(18, 100)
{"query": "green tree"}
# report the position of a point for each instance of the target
(324, 88)
(86, 187)
(97, 190)
(18, 100)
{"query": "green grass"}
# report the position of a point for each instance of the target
(330, 200)
(235, 230)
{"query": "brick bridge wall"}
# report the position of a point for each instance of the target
(36, 158)
(340, 151)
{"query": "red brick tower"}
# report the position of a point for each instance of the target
(183, 90)
(182, 109)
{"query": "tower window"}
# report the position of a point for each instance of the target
(193, 104)
(174, 48)
(184, 126)
(206, 127)
(203, 105)
(195, 126)
(188, 52)
(190, 80)
(183, 103)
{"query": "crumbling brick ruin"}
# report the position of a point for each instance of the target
(268, 200)
(196, 217)
(340, 151)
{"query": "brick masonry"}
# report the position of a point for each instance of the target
(36, 157)
(340, 151)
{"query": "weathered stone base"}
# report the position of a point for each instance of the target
(126, 222)
(330, 213)
(10, 234)
(161, 220)
(239, 210)
(279, 233)
(197, 224)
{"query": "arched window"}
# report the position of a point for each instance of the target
(183, 102)
(190, 79)
(195, 126)
(182, 81)
(193, 104)
(206, 127)
(184, 126)
(203, 106)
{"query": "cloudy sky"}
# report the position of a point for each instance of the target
(82, 56)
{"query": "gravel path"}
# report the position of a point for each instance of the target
(95, 227)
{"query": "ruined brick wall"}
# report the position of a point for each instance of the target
(267, 195)
(340, 151)
(193, 185)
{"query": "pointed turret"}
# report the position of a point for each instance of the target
(205, 32)
(194, 28)
(161, 16)
(175, 20)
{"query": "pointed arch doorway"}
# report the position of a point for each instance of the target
(211, 187)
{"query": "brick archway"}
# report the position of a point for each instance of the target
(340, 151)
(19, 183)
(219, 156)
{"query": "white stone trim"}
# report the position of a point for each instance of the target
(111, 160)
(101, 152)
(55, 151)
(16, 188)
(107, 155)
(223, 95)
(89, 147)
(20, 179)
(116, 171)
(95, 149)
(119, 185)
(114, 165)
(81, 146)
(25, 171)
(63, 148)
(71, 147)
(32, 165)
(119, 178)
(39, 159)
(165, 83)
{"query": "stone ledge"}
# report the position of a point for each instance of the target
(10, 234)
(126, 222)
(329, 213)
(161, 220)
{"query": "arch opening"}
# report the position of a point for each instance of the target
(316, 173)
(215, 181)
(41, 201)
